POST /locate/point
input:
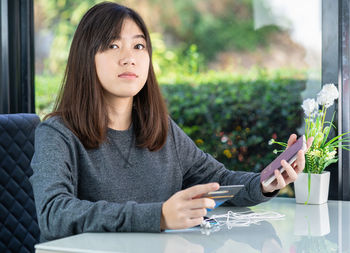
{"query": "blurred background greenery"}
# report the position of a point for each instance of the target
(230, 85)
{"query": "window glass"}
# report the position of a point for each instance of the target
(234, 73)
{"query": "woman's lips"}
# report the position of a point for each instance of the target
(128, 75)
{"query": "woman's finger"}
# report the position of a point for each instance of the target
(200, 203)
(198, 190)
(193, 222)
(289, 175)
(309, 143)
(280, 180)
(197, 213)
(300, 162)
(291, 140)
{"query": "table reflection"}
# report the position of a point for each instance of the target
(260, 237)
(176, 243)
(311, 220)
(312, 223)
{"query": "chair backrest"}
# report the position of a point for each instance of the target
(19, 229)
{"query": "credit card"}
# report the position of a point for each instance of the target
(223, 194)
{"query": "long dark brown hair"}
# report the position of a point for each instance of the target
(80, 102)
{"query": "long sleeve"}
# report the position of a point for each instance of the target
(55, 185)
(199, 168)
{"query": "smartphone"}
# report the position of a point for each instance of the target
(290, 155)
(223, 194)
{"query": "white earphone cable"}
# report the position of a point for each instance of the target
(239, 219)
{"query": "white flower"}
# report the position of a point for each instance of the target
(224, 139)
(275, 151)
(310, 107)
(272, 141)
(331, 155)
(316, 153)
(327, 95)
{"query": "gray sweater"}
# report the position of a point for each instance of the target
(118, 186)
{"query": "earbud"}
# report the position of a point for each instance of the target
(205, 224)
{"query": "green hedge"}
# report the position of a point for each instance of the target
(230, 117)
(46, 90)
(233, 121)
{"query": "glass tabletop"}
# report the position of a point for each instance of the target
(304, 228)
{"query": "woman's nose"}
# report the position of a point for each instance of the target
(127, 59)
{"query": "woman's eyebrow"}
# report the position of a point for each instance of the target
(133, 37)
(139, 36)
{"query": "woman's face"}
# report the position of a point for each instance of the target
(123, 68)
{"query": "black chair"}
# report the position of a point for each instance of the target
(19, 229)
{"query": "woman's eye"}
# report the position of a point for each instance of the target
(113, 46)
(139, 46)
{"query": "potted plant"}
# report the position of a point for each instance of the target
(312, 185)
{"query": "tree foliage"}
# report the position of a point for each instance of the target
(206, 26)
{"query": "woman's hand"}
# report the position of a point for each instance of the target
(291, 171)
(185, 208)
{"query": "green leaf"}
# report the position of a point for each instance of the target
(327, 130)
(328, 163)
(336, 138)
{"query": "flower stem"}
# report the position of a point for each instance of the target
(324, 110)
(308, 127)
(308, 187)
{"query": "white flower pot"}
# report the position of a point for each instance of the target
(311, 220)
(318, 189)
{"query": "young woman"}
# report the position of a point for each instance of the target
(108, 158)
